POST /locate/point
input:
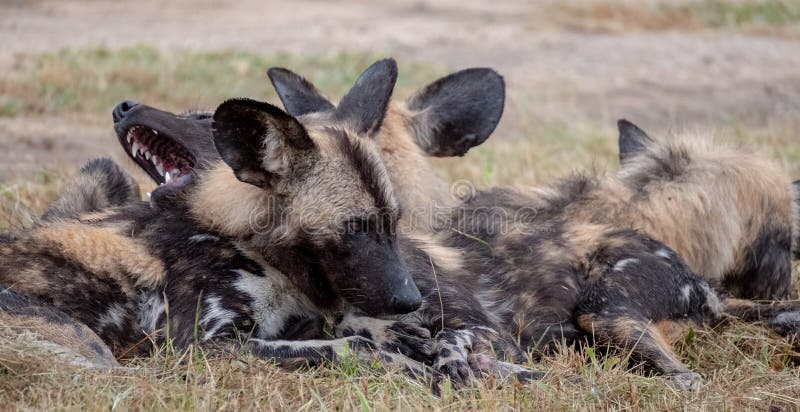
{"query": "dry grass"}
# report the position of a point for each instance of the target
(769, 17)
(746, 366)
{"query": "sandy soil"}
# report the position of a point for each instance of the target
(660, 79)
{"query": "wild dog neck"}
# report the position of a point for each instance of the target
(222, 203)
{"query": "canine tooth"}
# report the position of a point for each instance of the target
(129, 136)
(134, 148)
(155, 132)
(160, 169)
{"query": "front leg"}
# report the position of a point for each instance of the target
(463, 353)
(390, 335)
(294, 354)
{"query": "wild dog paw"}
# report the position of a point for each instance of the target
(451, 357)
(787, 324)
(502, 370)
(686, 381)
(390, 335)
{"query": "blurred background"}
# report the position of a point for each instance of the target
(572, 68)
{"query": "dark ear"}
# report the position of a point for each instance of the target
(632, 139)
(297, 94)
(457, 112)
(364, 106)
(260, 142)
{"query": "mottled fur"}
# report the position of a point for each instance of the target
(727, 212)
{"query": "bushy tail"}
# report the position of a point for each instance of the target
(100, 184)
(782, 316)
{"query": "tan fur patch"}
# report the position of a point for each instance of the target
(102, 250)
(449, 259)
(223, 203)
(672, 331)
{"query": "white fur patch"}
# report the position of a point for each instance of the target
(216, 314)
(203, 238)
(620, 266)
(274, 300)
(712, 300)
(686, 291)
(664, 253)
(151, 306)
(114, 317)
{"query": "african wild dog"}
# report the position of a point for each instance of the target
(568, 261)
(122, 271)
(192, 268)
(728, 213)
(435, 119)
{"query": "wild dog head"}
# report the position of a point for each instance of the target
(728, 212)
(166, 146)
(445, 118)
(314, 199)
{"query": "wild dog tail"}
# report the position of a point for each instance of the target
(100, 184)
(49, 329)
(782, 316)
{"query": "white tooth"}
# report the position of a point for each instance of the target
(147, 155)
(155, 132)
(167, 177)
(155, 159)
(134, 148)
(160, 169)
(129, 136)
(148, 195)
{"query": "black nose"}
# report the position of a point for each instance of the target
(406, 302)
(122, 109)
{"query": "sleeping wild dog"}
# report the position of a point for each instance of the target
(579, 258)
(730, 214)
(218, 316)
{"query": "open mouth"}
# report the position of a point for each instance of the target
(164, 159)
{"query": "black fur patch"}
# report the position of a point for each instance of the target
(766, 273)
(364, 106)
(297, 94)
(240, 127)
(632, 140)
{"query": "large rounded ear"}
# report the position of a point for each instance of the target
(297, 94)
(260, 142)
(632, 139)
(457, 112)
(364, 106)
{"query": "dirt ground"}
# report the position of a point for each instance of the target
(555, 72)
